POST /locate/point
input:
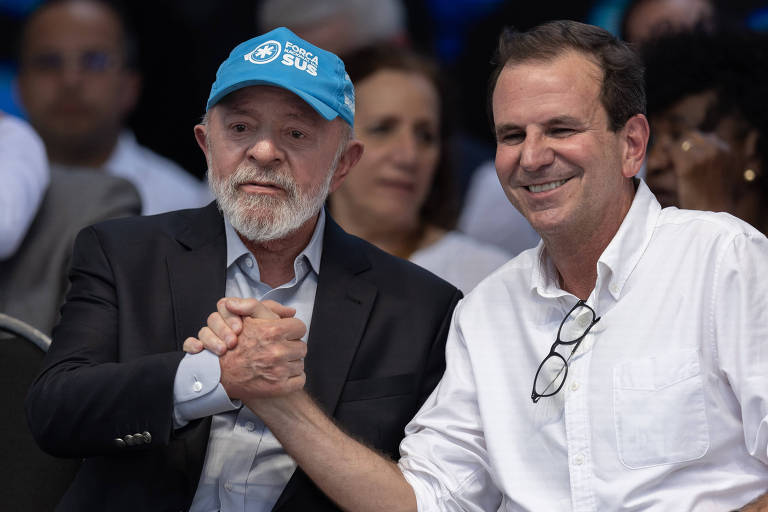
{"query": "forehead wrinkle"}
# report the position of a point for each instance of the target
(247, 101)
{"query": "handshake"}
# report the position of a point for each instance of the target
(259, 347)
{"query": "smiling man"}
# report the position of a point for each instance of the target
(163, 431)
(619, 365)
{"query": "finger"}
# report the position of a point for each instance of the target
(233, 320)
(222, 329)
(211, 341)
(192, 345)
(293, 328)
(249, 307)
(279, 309)
(293, 351)
(296, 383)
(259, 331)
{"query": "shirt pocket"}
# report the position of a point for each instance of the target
(659, 410)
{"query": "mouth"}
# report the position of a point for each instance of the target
(545, 187)
(259, 187)
(398, 184)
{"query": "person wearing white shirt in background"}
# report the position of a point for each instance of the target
(24, 177)
(619, 365)
(78, 83)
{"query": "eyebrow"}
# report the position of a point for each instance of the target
(564, 120)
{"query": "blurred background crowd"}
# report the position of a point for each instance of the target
(116, 87)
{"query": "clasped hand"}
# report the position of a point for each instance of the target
(259, 347)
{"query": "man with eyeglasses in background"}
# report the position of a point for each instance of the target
(78, 83)
(641, 333)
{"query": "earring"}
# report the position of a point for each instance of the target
(749, 175)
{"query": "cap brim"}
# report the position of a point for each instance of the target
(321, 108)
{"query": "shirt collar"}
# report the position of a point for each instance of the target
(621, 256)
(312, 252)
(618, 260)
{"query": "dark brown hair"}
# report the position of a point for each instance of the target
(623, 92)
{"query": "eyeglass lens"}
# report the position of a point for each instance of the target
(92, 61)
(551, 375)
(575, 324)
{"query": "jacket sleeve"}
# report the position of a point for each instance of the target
(87, 400)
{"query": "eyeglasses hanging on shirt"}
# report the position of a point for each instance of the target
(553, 370)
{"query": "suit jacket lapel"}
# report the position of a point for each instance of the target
(197, 273)
(343, 303)
(197, 278)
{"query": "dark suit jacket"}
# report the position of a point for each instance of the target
(140, 286)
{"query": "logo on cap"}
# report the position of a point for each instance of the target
(264, 53)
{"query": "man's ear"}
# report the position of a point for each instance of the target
(201, 136)
(349, 158)
(635, 134)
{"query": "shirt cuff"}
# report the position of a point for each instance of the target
(197, 390)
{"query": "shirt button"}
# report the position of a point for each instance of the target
(614, 289)
(228, 486)
(249, 426)
(574, 386)
(249, 262)
(197, 386)
(578, 459)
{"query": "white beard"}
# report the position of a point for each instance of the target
(263, 218)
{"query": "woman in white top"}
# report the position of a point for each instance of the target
(400, 195)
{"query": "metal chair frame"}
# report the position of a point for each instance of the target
(24, 330)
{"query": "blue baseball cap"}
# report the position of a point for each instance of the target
(283, 59)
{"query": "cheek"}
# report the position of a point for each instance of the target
(428, 167)
(36, 92)
(506, 157)
(365, 171)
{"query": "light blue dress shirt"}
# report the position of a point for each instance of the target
(245, 466)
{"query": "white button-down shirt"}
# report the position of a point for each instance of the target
(665, 404)
(162, 184)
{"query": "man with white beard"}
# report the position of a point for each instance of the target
(159, 430)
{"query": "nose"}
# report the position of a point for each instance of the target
(264, 152)
(406, 150)
(70, 75)
(535, 153)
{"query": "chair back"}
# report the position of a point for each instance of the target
(30, 480)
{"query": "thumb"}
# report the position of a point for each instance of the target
(250, 308)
